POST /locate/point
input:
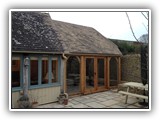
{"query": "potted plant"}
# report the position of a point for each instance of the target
(34, 102)
(23, 102)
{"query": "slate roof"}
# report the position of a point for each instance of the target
(35, 31)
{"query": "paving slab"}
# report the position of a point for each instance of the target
(99, 95)
(95, 105)
(84, 101)
(58, 106)
(78, 98)
(131, 106)
(132, 100)
(80, 106)
(117, 106)
(100, 99)
(74, 102)
(109, 97)
(106, 99)
(109, 102)
(119, 99)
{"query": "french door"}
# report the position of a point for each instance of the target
(95, 74)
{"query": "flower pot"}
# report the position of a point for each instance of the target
(34, 105)
(65, 101)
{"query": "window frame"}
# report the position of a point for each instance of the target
(49, 84)
(20, 57)
(39, 85)
(57, 69)
(29, 76)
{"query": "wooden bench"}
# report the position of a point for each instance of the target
(133, 85)
(132, 94)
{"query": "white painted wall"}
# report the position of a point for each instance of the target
(42, 95)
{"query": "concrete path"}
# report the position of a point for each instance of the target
(107, 99)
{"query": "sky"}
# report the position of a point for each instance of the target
(110, 24)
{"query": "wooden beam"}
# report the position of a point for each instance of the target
(82, 74)
(119, 69)
(109, 58)
(105, 72)
(108, 71)
(95, 73)
(117, 59)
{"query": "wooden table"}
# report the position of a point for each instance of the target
(134, 85)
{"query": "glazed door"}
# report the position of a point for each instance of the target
(90, 74)
(101, 73)
(95, 78)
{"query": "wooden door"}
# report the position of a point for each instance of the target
(95, 74)
(101, 73)
(90, 74)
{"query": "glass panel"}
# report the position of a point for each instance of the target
(73, 76)
(90, 73)
(54, 71)
(34, 71)
(113, 72)
(100, 72)
(45, 75)
(16, 73)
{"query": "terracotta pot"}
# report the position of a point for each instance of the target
(65, 101)
(34, 105)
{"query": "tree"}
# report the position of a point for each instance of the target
(144, 38)
(144, 53)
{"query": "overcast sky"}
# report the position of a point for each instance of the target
(110, 24)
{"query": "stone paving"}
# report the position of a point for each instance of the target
(107, 99)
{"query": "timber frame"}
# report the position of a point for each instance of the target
(82, 62)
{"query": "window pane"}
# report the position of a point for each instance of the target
(16, 73)
(100, 72)
(90, 72)
(54, 71)
(113, 72)
(73, 76)
(34, 71)
(45, 75)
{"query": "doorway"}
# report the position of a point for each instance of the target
(73, 75)
(113, 72)
(95, 74)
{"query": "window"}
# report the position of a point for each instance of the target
(34, 71)
(89, 72)
(16, 71)
(41, 71)
(46, 70)
(101, 72)
(45, 75)
(54, 71)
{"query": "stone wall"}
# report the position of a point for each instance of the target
(131, 68)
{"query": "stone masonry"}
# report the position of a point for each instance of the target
(131, 68)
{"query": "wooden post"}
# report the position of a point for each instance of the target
(127, 95)
(105, 72)
(95, 74)
(108, 72)
(119, 70)
(82, 74)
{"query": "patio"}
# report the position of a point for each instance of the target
(108, 99)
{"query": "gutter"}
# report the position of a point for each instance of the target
(37, 52)
(64, 57)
